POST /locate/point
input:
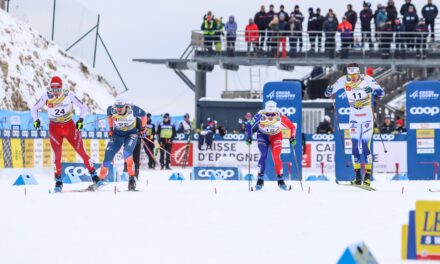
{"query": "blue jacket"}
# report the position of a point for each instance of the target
(381, 17)
(231, 27)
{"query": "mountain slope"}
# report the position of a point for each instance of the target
(28, 61)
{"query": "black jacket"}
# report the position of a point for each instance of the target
(330, 26)
(352, 17)
(320, 22)
(410, 21)
(391, 12)
(312, 23)
(261, 20)
(299, 20)
(405, 7)
(387, 129)
(366, 15)
(430, 12)
(324, 128)
(269, 17)
(286, 15)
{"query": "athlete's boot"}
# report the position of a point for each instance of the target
(358, 180)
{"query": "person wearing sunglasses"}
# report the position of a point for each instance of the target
(59, 104)
(268, 124)
(166, 132)
(360, 91)
(126, 122)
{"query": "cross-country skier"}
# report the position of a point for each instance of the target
(268, 124)
(360, 90)
(125, 122)
(59, 104)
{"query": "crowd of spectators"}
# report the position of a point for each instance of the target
(271, 30)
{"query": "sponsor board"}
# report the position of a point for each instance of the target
(216, 173)
(179, 151)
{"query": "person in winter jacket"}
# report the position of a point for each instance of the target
(231, 35)
(387, 127)
(410, 20)
(298, 22)
(391, 11)
(346, 31)
(430, 12)
(386, 37)
(208, 27)
(312, 27)
(331, 13)
(269, 16)
(319, 27)
(272, 41)
(399, 28)
(421, 37)
(380, 17)
(166, 132)
(251, 35)
(351, 16)
(219, 27)
(330, 27)
(282, 12)
(283, 26)
(405, 7)
(366, 15)
(260, 19)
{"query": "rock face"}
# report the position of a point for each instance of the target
(28, 61)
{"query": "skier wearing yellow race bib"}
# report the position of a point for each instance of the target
(360, 90)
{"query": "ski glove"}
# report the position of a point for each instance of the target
(110, 133)
(328, 91)
(80, 123)
(292, 141)
(249, 141)
(37, 124)
(368, 89)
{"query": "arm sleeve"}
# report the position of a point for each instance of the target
(84, 109)
(377, 89)
(251, 126)
(40, 103)
(288, 124)
(339, 84)
(139, 112)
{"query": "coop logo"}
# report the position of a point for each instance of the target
(344, 111)
(234, 137)
(424, 110)
(75, 171)
(288, 111)
(323, 137)
(386, 137)
(180, 136)
(218, 174)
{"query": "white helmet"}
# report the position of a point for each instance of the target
(120, 101)
(270, 107)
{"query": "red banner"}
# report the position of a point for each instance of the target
(179, 151)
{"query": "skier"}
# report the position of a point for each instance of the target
(125, 122)
(360, 90)
(268, 124)
(59, 104)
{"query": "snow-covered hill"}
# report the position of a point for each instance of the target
(28, 61)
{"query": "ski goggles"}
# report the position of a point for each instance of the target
(270, 114)
(353, 76)
(56, 90)
(119, 105)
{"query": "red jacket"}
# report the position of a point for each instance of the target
(251, 34)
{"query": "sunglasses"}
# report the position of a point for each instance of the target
(57, 90)
(119, 105)
(270, 114)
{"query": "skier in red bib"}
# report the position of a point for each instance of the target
(59, 104)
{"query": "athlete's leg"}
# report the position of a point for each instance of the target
(73, 136)
(276, 142)
(263, 146)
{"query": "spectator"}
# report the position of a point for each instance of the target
(366, 15)
(207, 134)
(325, 127)
(421, 37)
(231, 35)
(219, 27)
(251, 35)
(400, 39)
(208, 14)
(282, 12)
(330, 26)
(410, 21)
(319, 27)
(208, 28)
(387, 127)
(400, 126)
(298, 28)
(352, 18)
(247, 120)
(369, 72)
(273, 36)
(346, 31)
(331, 13)
(312, 27)
(405, 7)
(283, 26)
(260, 19)
(430, 12)
(185, 126)
(269, 16)
(391, 11)
(380, 18)
(166, 131)
(386, 37)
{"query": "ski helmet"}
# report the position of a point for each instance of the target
(120, 101)
(270, 107)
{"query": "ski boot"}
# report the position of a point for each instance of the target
(167, 167)
(58, 184)
(260, 182)
(132, 183)
(281, 184)
(162, 166)
(358, 180)
(367, 179)
(97, 183)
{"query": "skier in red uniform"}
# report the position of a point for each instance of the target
(59, 105)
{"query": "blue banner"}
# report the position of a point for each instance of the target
(423, 125)
(288, 96)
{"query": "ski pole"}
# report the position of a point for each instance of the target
(380, 133)
(149, 152)
(249, 168)
(297, 168)
(159, 147)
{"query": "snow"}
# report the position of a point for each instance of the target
(28, 61)
(187, 222)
